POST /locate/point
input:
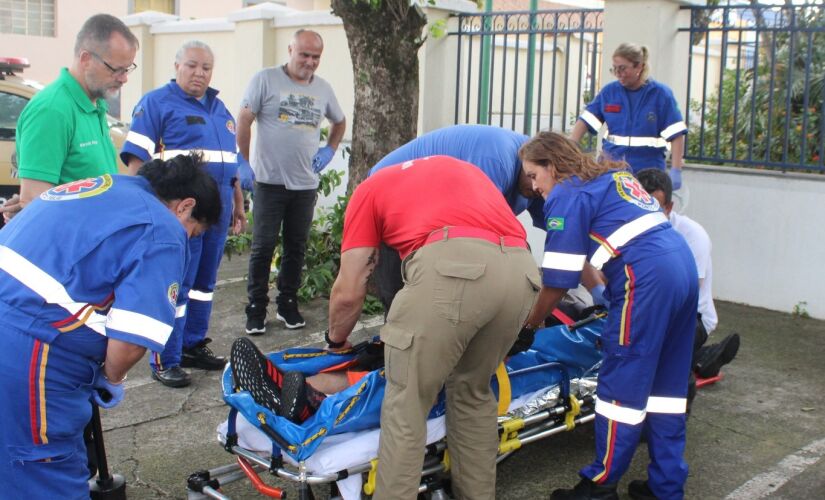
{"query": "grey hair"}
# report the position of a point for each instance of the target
(304, 30)
(635, 53)
(192, 44)
(96, 32)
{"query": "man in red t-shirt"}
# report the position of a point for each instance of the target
(469, 282)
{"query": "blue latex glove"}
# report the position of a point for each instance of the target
(106, 394)
(676, 177)
(245, 174)
(322, 158)
(598, 296)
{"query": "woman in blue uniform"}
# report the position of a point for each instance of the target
(597, 214)
(89, 279)
(641, 115)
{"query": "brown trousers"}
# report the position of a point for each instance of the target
(463, 303)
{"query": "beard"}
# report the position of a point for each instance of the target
(100, 90)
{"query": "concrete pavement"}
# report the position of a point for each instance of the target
(758, 433)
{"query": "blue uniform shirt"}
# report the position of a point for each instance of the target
(75, 263)
(640, 123)
(609, 221)
(168, 122)
(492, 149)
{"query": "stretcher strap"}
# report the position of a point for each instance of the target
(504, 390)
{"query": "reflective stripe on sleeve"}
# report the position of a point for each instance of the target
(661, 404)
(673, 130)
(211, 156)
(44, 285)
(202, 296)
(624, 234)
(618, 413)
(563, 261)
(636, 142)
(180, 311)
(138, 324)
(141, 141)
(590, 119)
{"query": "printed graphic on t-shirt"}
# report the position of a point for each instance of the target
(299, 111)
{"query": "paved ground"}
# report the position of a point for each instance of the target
(758, 433)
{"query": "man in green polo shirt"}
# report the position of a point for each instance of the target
(62, 134)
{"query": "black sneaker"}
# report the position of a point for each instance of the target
(713, 357)
(172, 377)
(253, 372)
(255, 319)
(639, 490)
(202, 357)
(294, 403)
(288, 313)
(255, 326)
(587, 490)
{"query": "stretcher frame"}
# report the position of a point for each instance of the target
(569, 411)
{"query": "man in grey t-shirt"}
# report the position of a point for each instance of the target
(289, 103)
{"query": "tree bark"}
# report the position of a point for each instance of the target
(383, 40)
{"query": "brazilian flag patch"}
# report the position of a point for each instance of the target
(555, 223)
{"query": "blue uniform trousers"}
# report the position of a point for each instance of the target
(195, 297)
(46, 404)
(644, 374)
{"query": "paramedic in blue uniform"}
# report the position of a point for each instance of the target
(89, 279)
(641, 116)
(598, 213)
(492, 149)
(183, 115)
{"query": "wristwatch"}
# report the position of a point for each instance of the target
(330, 343)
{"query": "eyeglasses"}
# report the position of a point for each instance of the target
(115, 71)
(615, 70)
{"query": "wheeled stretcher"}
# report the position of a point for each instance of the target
(544, 391)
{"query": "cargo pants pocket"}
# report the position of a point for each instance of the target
(448, 291)
(397, 352)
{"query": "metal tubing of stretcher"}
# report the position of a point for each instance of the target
(308, 478)
(212, 493)
(558, 429)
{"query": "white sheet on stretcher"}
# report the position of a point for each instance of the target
(341, 451)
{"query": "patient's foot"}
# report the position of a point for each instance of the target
(713, 357)
(253, 372)
(300, 399)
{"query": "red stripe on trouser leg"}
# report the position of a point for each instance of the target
(33, 403)
(611, 448)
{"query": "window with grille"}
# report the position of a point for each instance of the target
(27, 17)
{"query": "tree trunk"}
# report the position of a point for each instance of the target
(383, 42)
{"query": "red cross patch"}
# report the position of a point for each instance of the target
(78, 189)
(632, 191)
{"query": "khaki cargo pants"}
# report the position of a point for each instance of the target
(463, 303)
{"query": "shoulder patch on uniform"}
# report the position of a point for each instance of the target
(230, 126)
(83, 188)
(555, 223)
(137, 111)
(172, 294)
(630, 190)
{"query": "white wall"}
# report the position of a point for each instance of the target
(767, 232)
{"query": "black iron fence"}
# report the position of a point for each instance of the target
(756, 93)
(527, 71)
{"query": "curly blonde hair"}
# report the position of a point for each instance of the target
(562, 155)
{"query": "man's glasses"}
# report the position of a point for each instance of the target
(615, 70)
(115, 71)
